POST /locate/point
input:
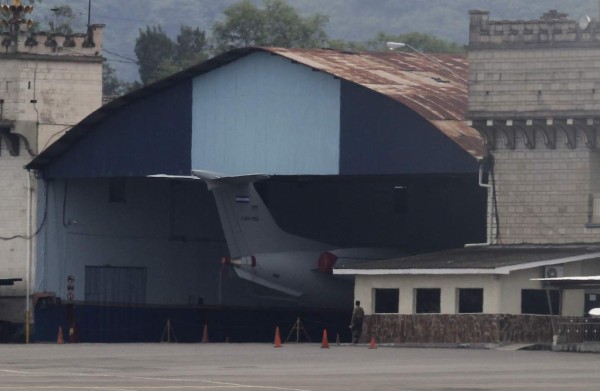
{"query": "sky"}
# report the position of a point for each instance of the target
(349, 19)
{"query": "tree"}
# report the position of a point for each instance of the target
(191, 47)
(62, 20)
(159, 56)
(155, 51)
(277, 24)
(111, 85)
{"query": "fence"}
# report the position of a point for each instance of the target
(585, 330)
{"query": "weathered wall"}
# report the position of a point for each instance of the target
(45, 90)
(534, 96)
(13, 221)
(543, 196)
(547, 67)
(463, 328)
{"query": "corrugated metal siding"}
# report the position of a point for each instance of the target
(381, 136)
(264, 114)
(418, 82)
(148, 136)
(433, 85)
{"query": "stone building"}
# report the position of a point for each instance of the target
(534, 96)
(48, 83)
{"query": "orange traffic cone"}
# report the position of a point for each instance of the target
(325, 343)
(60, 339)
(277, 338)
(372, 345)
(205, 334)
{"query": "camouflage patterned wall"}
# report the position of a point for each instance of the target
(463, 328)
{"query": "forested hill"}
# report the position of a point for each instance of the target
(356, 20)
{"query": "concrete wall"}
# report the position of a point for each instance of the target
(45, 91)
(271, 114)
(13, 218)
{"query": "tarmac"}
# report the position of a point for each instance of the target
(292, 367)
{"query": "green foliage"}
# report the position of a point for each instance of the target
(159, 56)
(111, 85)
(62, 20)
(191, 47)
(155, 51)
(423, 42)
(276, 24)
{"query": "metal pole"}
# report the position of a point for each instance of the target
(29, 256)
(89, 12)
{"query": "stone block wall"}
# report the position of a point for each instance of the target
(534, 94)
(462, 328)
(543, 195)
(538, 82)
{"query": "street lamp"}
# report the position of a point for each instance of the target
(399, 45)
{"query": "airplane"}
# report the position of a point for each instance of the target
(298, 268)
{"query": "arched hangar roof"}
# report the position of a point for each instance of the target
(433, 85)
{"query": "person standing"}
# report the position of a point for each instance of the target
(356, 323)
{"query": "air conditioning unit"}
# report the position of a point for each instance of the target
(554, 271)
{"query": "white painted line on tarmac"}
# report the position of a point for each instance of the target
(136, 388)
(210, 384)
(224, 384)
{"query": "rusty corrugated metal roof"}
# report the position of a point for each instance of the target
(433, 85)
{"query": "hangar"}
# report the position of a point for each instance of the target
(360, 149)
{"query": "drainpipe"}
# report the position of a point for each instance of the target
(29, 256)
(488, 186)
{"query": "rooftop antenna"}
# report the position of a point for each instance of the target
(89, 40)
(90, 12)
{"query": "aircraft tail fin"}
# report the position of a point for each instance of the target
(247, 222)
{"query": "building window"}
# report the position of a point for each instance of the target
(470, 300)
(594, 209)
(117, 190)
(386, 301)
(427, 300)
(535, 301)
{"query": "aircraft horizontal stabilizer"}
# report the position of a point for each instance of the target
(210, 176)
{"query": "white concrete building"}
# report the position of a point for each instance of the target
(48, 83)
